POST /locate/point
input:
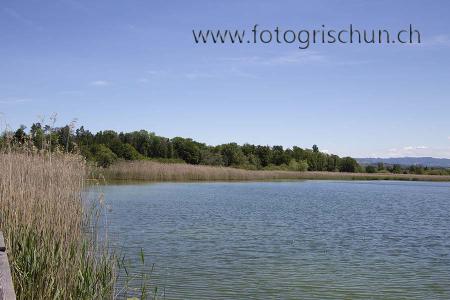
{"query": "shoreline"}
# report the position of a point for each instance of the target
(145, 171)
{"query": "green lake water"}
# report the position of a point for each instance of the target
(287, 240)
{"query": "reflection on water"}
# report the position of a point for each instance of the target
(288, 240)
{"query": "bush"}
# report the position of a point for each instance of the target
(348, 164)
(128, 152)
(103, 156)
(300, 166)
(371, 169)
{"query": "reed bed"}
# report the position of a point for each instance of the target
(53, 254)
(154, 171)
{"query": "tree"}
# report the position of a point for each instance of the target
(413, 169)
(397, 169)
(125, 151)
(371, 169)
(37, 135)
(20, 135)
(103, 155)
(279, 156)
(332, 163)
(211, 158)
(299, 166)
(107, 146)
(232, 154)
(348, 164)
(187, 150)
(264, 155)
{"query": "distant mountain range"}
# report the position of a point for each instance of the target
(407, 161)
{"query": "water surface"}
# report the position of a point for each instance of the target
(288, 240)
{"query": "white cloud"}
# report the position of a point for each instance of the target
(71, 93)
(232, 72)
(200, 75)
(18, 17)
(449, 137)
(158, 73)
(291, 58)
(298, 57)
(416, 151)
(14, 100)
(196, 74)
(76, 5)
(438, 40)
(100, 83)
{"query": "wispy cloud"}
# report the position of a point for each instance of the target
(76, 5)
(14, 100)
(296, 58)
(417, 151)
(100, 83)
(158, 73)
(196, 74)
(438, 40)
(291, 58)
(20, 18)
(200, 75)
(155, 74)
(71, 93)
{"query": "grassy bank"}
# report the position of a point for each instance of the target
(44, 223)
(154, 171)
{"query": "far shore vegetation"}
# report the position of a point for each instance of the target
(157, 172)
(142, 155)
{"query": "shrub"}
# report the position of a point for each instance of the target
(103, 156)
(348, 164)
(371, 169)
(300, 166)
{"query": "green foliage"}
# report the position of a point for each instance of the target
(300, 166)
(315, 149)
(187, 150)
(20, 135)
(416, 170)
(105, 147)
(232, 155)
(102, 155)
(397, 169)
(371, 169)
(125, 151)
(348, 164)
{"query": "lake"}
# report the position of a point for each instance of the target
(287, 240)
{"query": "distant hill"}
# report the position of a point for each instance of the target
(407, 161)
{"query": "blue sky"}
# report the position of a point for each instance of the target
(129, 65)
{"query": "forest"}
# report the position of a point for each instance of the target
(106, 147)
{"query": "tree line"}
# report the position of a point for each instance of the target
(106, 147)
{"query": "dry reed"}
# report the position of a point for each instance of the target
(154, 171)
(44, 223)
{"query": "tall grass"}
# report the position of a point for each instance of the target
(154, 171)
(43, 219)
